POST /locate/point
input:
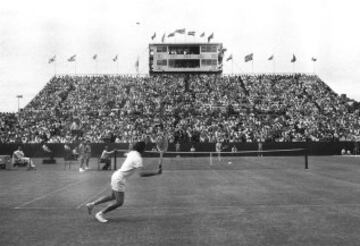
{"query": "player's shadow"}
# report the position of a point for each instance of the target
(129, 219)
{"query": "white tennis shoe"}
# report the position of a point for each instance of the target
(90, 207)
(100, 217)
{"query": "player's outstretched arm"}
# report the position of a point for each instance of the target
(148, 173)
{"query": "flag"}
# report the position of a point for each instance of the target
(293, 59)
(223, 50)
(72, 58)
(115, 58)
(94, 57)
(191, 33)
(163, 38)
(229, 58)
(271, 57)
(153, 36)
(210, 37)
(137, 23)
(249, 57)
(313, 59)
(52, 59)
(180, 31)
(171, 35)
(202, 35)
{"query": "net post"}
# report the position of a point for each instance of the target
(306, 159)
(115, 159)
(210, 158)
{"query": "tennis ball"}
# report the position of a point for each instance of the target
(229, 162)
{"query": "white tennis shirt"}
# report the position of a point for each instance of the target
(132, 162)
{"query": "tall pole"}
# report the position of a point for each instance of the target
(274, 70)
(314, 67)
(19, 97)
(55, 67)
(252, 66)
(232, 65)
(294, 68)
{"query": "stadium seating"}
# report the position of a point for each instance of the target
(193, 108)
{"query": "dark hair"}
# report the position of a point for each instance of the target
(139, 147)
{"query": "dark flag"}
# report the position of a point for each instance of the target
(229, 58)
(202, 35)
(249, 57)
(210, 37)
(313, 59)
(163, 38)
(293, 59)
(94, 57)
(115, 58)
(52, 59)
(271, 57)
(153, 36)
(223, 50)
(137, 23)
(180, 31)
(191, 33)
(72, 58)
(171, 34)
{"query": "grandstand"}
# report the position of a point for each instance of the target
(246, 197)
(193, 107)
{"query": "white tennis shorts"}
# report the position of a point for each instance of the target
(118, 182)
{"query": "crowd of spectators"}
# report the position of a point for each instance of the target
(191, 107)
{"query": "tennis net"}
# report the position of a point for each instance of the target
(253, 159)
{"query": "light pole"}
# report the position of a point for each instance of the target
(19, 97)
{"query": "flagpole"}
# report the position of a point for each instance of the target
(274, 70)
(55, 68)
(137, 66)
(314, 68)
(293, 70)
(75, 66)
(96, 66)
(232, 65)
(252, 66)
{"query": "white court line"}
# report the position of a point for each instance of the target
(91, 198)
(137, 208)
(48, 194)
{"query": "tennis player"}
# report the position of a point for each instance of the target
(162, 145)
(218, 148)
(81, 149)
(260, 147)
(67, 155)
(132, 163)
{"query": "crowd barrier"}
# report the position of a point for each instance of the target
(313, 148)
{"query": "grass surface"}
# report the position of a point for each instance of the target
(253, 201)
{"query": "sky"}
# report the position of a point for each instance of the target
(31, 32)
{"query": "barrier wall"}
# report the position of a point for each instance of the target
(314, 148)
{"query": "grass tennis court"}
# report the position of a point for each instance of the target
(253, 201)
